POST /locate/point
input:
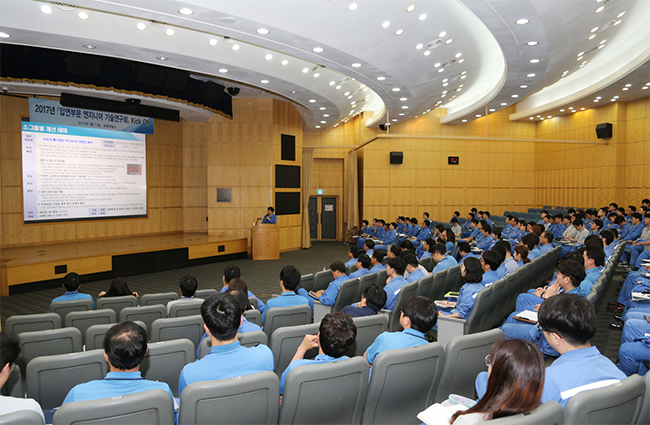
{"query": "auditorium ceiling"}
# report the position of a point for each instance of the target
(336, 58)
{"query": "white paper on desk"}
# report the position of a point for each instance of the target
(528, 315)
(437, 414)
(639, 296)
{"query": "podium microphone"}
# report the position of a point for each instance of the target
(258, 220)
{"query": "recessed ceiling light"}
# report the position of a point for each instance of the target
(449, 41)
(213, 42)
(628, 85)
(600, 9)
(521, 21)
(353, 6)
(235, 47)
(381, 78)
(411, 8)
(338, 87)
(263, 31)
(616, 97)
(356, 65)
(541, 119)
(461, 61)
(322, 108)
(515, 95)
(441, 69)
(399, 32)
(318, 126)
(305, 70)
(419, 46)
(46, 9)
(285, 62)
(427, 53)
(532, 43)
(326, 115)
(617, 22)
(445, 84)
(170, 32)
(596, 100)
(644, 88)
(141, 26)
(492, 110)
(437, 65)
(268, 57)
(612, 100)
(317, 49)
(582, 109)
(385, 24)
(594, 29)
(504, 104)
(561, 110)
(530, 75)
(459, 89)
(90, 46)
(458, 55)
(534, 61)
(464, 120)
(264, 81)
(620, 14)
(592, 36)
(394, 119)
(223, 70)
(185, 11)
(316, 74)
(598, 97)
(478, 115)
(312, 100)
(323, 122)
(401, 114)
(396, 88)
(163, 58)
(550, 116)
(625, 88)
(346, 93)
(422, 17)
(82, 15)
(603, 42)
(442, 34)
(403, 99)
(523, 86)
(571, 107)
(463, 77)
(405, 107)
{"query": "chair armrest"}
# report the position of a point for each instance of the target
(320, 311)
(449, 327)
(384, 311)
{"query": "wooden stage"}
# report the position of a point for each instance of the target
(36, 263)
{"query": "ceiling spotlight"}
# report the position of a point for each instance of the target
(561, 110)
(530, 75)
(582, 109)
(235, 47)
(427, 53)
(464, 120)
(515, 95)
(401, 114)
(625, 88)
(458, 55)
(478, 115)
(600, 9)
(323, 122)
(141, 26)
(442, 34)
(620, 14)
(223, 70)
(170, 32)
(213, 42)
(504, 104)
(422, 17)
(403, 99)
(353, 6)
(396, 88)
(523, 86)
(264, 81)
(385, 24)
(322, 108)
(326, 115)
(594, 29)
(522, 21)
(437, 65)
(284, 62)
(411, 8)
(338, 87)
(268, 57)
(449, 41)
(46, 9)
(441, 69)
(405, 107)
(492, 110)
(532, 43)
(82, 15)
(162, 58)
(461, 61)
(317, 50)
(399, 32)
(534, 61)
(356, 65)
(185, 11)
(305, 70)
(381, 78)
(318, 126)
(628, 85)
(316, 74)
(550, 116)
(90, 46)
(592, 36)
(617, 22)
(419, 46)
(263, 31)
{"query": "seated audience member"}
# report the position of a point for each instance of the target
(521, 255)
(467, 226)
(568, 322)
(415, 273)
(405, 246)
(442, 259)
(232, 272)
(423, 234)
(336, 334)
(581, 231)
(640, 248)
(372, 300)
(485, 242)
(245, 305)
(187, 286)
(608, 246)
(125, 345)
(471, 274)
(531, 240)
(424, 250)
(395, 270)
(222, 315)
(546, 242)
(353, 254)
(464, 252)
(328, 296)
(634, 282)
(515, 379)
(474, 231)
(504, 255)
(9, 351)
(376, 261)
(560, 227)
(490, 260)
(118, 288)
(363, 263)
(417, 316)
(395, 251)
(388, 238)
(596, 227)
(455, 227)
(425, 217)
(450, 240)
(368, 247)
(72, 283)
(634, 352)
(289, 281)
(594, 260)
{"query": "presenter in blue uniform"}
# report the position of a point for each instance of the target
(270, 217)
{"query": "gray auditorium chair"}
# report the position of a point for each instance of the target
(248, 339)
(424, 285)
(364, 281)
(146, 314)
(439, 285)
(167, 329)
(14, 386)
(403, 383)
(327, 393)
(620, 403)
(278, 317)
(204, 294)
(50, 378)
(381, 278)
(152, 407)
(253, 302)
(454, 279)
(95, 334)
(82, 320)
(251, 399)
(322, 280)
(549, 413)
(187, 308)
(307, 282)
(351, 269)
(117, 303)
(64, 307)
(23, 417)
(644, 418)
(368, 328)
(347, 293)
(427, 263)
(33, 322)
(464, 359)
(165, 360)
(161, 298)
(46, 343)
(254, 316)
(407, 291)
(285, 341)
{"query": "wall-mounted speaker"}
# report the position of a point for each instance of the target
(604, 130)
(396, 157)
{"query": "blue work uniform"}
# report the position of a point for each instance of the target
(113, 385)
(286, 299)
(260, 304)
(395, 340)
(272, 219)
(332, 291)
(466, 300)
(392, 290)
(321, 358)
(445, 263)
(74, 296)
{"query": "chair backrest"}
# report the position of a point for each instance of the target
(22, 417)
(166, 359)
(351, 269)
(117, 303)
(64, 307)
(403, 383)
(464, 359)
(254, 316)
(204, 294)
(82, 320)
(248, 339)
(439, 285)
(146, 314)
(160, 298)
(405, 293)
(250, 399)
(644, 418)
(95, 334)
(365, 281)
(47, 343)
(427, 263)
(284, 342)
(424, 285)
(347, 294)
(33, 322)
(167, 329)
(549, 413)
(480, 316)
(50, 378)
(307, 282)
(14, 386)
(381, 278)
(253, 302)
(327, 393)
(278, 317)
(187, 308)
(454, 280)
(322, 280)
(368, 328)
(153, 407)
(615, 404)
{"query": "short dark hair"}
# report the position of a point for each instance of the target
(531, 240)
(272, 209)
(394, 249)
(231, 272)
(71, 281)
(504, 243)
(549, 236)
(355, 250)
(426, 213)
(406, 244)
(338, 266)
(125, 345)
(379, 255)
(425, 223)
(414, 220)
(397, 264)
(597, 254)
(369, 243)
(365, 222)
(290, 277)
(464, 246)
(570, 316)
(608, 236)
(410, 259)
(10, 348)
(473, 270)
(619, 219)
(188, 285)
(375, 297)
(364, 260)
(439, 248)
(454, 220)
(422, 311)
(501, 250)
(632, 208)
(240, 296)
(573, 270)
(337, 333)
(221, 313)
(637, 215)
(492, 259)
(598, 223)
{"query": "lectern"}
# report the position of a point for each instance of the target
(265, 242)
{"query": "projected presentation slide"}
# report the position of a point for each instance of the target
(74, 173)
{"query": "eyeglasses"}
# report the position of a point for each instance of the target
(488, 360)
